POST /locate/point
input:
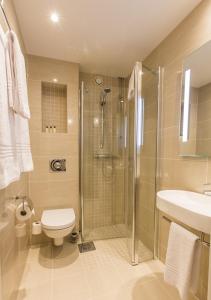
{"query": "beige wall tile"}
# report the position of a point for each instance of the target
(54, 190)
(104, 201)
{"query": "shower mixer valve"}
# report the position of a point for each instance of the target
(58, 165)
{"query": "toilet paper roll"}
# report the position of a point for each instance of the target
(36, 228)
(25, 214)
(20, 230)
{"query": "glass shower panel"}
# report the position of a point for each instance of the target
(116, 201)
(141, 168)
(145, 204)
(102, 157)
(130, 187)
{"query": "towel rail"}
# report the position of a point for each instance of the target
(202, 234)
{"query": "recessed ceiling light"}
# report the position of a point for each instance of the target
(55, 17)
(55, 80)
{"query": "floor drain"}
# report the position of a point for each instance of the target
(86, 247)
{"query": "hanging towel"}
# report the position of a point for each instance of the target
(23, 146)
(9, 163)
(136, 75)
(182, 260)
(17, 85)
(18, 100)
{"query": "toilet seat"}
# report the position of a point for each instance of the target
(58, 218)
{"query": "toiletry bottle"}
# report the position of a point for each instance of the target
(51, 129)
(46, 129)
(54, 129)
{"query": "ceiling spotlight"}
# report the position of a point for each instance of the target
(55, 80)
(55, 17)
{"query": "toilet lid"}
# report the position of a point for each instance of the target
(58, 218)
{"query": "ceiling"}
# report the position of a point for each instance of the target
(105, 37)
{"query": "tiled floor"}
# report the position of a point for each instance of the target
(104, 274)
(120, 231)
(144, 253)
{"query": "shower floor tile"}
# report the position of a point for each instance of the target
(104, 274)
(108, 232)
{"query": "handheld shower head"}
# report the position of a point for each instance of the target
(103, 96)
(107, 90)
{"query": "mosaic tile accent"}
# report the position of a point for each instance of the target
(104, 197)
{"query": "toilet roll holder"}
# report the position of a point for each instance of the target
(24, 199)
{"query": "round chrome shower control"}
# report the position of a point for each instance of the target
(58, 165)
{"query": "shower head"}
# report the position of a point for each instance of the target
(107, 90)
(103, 96)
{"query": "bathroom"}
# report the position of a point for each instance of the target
(105, 170)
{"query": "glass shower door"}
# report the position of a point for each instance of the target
(134, 141)
(141, 165)
(117, 183)
(145, 206)
(130, 212)
(102, 158)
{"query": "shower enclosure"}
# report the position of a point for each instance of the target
(115, 202)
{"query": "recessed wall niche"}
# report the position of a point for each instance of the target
(54, 107)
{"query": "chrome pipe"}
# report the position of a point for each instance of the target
(102, 127)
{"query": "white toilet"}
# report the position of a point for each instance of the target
(57, 223)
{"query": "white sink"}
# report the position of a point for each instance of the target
(192, 209)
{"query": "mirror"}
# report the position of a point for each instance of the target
(195, 119)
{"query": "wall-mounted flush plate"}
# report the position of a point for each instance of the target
(58, 165)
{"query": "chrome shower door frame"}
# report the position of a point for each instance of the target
(81, 166)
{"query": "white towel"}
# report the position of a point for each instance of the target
(182, 260)
(18, 100)
(23, 146)
(135, 81)
(9, 163)
(17, 85)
